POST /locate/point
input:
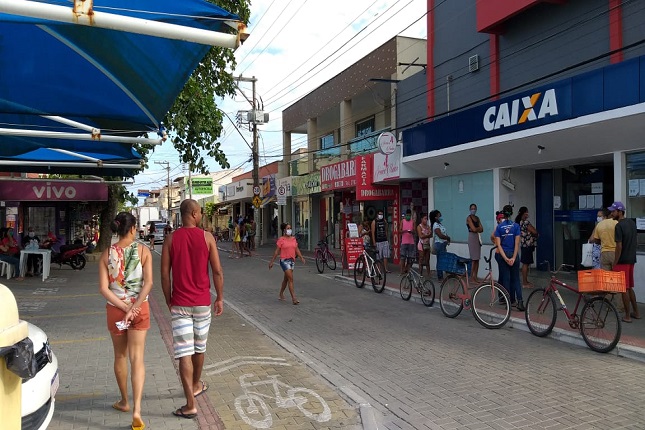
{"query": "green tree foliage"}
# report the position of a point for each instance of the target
(195, 122)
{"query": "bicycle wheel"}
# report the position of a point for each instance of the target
(378, 280)
(600, 324)
(491, 305)
(320, 263)
(540, 312)
(360, 268)
(451, 305)
(427, 292)
(405, 288)
(330, 260)
(254, 411)
(310, 403)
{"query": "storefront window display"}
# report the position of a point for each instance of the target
(636, 194)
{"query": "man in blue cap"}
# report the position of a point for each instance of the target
(625, 257)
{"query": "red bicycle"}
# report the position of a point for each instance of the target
(324, 257)
(599, 322)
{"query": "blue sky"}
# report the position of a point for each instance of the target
(292, 51)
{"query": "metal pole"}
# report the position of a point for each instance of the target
(167, 164)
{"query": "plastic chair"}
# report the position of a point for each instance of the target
(6, 268)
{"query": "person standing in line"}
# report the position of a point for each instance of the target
(507, 241)
(475, 228)
(185, 257)
(528, 240)
(251, 229)
(441, 239)
(287, 247)
(125, 280)
(625, 257)
(603, 237)
(425, 233)
(236, 243)
(380, 238)
(408, 253)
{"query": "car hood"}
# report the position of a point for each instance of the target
(37, 336)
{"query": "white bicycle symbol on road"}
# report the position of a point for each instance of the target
(255, 412)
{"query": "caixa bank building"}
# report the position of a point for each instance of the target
(536, 104)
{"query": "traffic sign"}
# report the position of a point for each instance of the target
(257, 201)
(282, 195)
(256, 191)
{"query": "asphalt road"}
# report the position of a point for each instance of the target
(418, 369)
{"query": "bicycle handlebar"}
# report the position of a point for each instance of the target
(563, 266)
(490, 255)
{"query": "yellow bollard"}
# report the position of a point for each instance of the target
(12, 331)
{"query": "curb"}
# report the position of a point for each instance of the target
(347, 390)
(574, 338)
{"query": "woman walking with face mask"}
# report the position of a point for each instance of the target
(287, 247)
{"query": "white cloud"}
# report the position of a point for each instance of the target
(285, 43)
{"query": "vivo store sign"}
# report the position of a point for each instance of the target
(519, 111)
(52, 191)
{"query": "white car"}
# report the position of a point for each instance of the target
(38, 392)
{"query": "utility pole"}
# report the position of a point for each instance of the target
(253, 118)
(167, 164)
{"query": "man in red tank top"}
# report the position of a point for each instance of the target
(186, 284)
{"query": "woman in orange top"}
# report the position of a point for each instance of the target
(287, 246)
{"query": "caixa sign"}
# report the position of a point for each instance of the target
(522, 110)
(52, 191)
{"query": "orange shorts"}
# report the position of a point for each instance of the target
(140, 322)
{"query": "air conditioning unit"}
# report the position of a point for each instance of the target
(473, 63)
(508, 184)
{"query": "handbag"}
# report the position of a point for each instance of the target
(587, 255)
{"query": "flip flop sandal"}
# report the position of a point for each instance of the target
(181, 414)
(204, 389)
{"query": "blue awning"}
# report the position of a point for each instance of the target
(119, 82)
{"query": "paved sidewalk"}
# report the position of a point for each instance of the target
(69, 308)
(632, 341)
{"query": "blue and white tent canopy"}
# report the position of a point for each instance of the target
(100, 87)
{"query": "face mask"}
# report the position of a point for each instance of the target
(32, 234)
(10, 234)
(380, 216)
(407, 217)
(473, 211)
(598, 219)
(440, 219)
(289, 231)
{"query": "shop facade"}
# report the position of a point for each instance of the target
(68, 209)
(564, 150)
(305, 194)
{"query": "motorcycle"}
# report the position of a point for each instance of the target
(72, 255)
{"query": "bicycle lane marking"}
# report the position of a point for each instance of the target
(254, 385)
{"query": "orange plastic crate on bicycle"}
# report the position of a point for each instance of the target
(601, 280)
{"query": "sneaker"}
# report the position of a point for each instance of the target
(520, 306)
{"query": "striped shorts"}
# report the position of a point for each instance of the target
(190, 327)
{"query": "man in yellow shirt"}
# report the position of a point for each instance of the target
(604, 234)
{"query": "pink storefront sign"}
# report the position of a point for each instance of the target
(48, 191)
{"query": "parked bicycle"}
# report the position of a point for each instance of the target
(324, 257)
(255, 412)
(367, 266)
(490, 303)
(599, 322)
(414, 279)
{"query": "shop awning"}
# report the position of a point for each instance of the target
(103, 73)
